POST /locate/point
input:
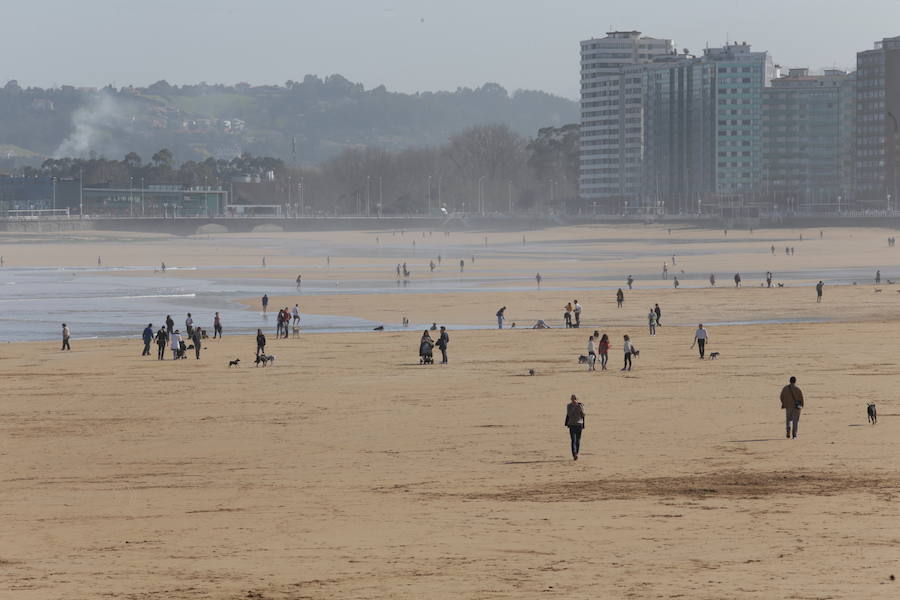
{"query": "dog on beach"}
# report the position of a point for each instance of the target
(531, 372)
(583, 359)
(713, 355)
(872, 413)
(234, 363)
(265, 360)
(295, 332)
(780, 285)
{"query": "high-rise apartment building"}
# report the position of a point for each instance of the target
(805, 129)
(877, 173)
(612, 120)
(741, 76)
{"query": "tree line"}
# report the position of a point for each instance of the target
(487, 168)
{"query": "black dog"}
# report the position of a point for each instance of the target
(265, 359)
(872, 413)
(582, 360)
(234, 363)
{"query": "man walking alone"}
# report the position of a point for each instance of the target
(66, 333)
(148, 339)
(575, 423)
(792, 403)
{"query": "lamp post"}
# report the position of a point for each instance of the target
(131, 195)
(380, 196)
(509, 192)
(53, 181)
(142, 196)
(290, 187)
(481, 194)
(300, 193)
(428, 194)
(368, 179)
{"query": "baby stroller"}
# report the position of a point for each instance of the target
(426, 352)
(182, 349)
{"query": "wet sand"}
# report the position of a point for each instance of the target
(347, 470)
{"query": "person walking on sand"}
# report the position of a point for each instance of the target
(501, 316)
(575, 423)
(175, 344)
(792, 403)
(162, 337)
(665, 271)
(299, 281)
(712, 279)
(877, 276)
(196, 339)
(701, 336)
(592, 354)
(538, 279)
(577, 312)
(148, 339)
(658, 312)
(773, 249)
(462, 264)
(629, 349)
(629, 281)
(260, 342)
(675, 282)
(620, 298)
(264, 261)
(737, 280)
(66, 334)
(442, 342)
(819, 287)
(217, 326)
(768, 279)
(603, 350)
(651, 322)
(163, 267)
(265, 302)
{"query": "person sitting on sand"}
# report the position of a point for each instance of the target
(541, 324)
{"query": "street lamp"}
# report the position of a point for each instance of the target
(142, 196)
(427, 194)
(509, 190)
(368, 179)
(131, 195)
(481, 194)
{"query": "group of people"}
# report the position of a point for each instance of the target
(427, 344)
(168, 336)
(285, 319)
(572, 310)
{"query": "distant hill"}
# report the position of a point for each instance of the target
(309, 120)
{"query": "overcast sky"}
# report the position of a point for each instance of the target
(407, 45)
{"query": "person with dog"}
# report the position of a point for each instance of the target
(217, 326)
(575, 422)
(701, 336)
(162, 338)
(629, 349)
(260, 342)
(592, 354)
(442, 342)
(501, 316)
(620, 298)
(66, 334)
(792, 403)
(196, 339)
(819, 287)
(603, 350)
(148, 339)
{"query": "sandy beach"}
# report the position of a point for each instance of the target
(348, 470)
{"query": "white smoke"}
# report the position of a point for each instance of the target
(96, 127)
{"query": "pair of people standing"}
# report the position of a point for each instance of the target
(570, 310)
(598, 345)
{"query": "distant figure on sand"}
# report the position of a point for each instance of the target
(299, 280)
(197, 340)
(629, 281)
(65, 335)
(575, 423)
(501, 317)
(773, 249)
(701, 336)
(265, 302)
(819, 287)
(737, 280)
(162, 337)
(577, 311)
(567, 315)
(768, 279)
(712, 279)
(462, 265)
(264, 261)
(877, 276)
(442, 342)
(217, 326)
(603, 350)
(651, 321)
(295, 314)
(792, 403)
(147, 336)
(620, 298)
(163, 267)
(629, 350)
(658, 312)
(260, 342)
(99, 262)
(538, 279)
(426, 349)
(665, 270)
(675, 282)
(175, 344)
(592, 354)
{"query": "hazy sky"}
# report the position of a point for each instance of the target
(407, 45)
